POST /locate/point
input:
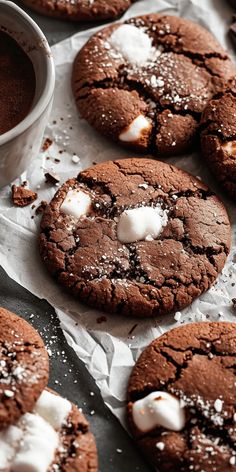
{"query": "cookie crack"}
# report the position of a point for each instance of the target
(200, 59)
(199, 351)
(97, 185)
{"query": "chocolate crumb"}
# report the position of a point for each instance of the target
(51, 178)
(22, 196)
(40, 209)
(234, 303)
(47, 143)
(132, 329)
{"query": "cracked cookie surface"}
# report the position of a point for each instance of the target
(115, 82)
(147, 277)
(196, 363)
(23, 367)
(80, 10)
(218, 138)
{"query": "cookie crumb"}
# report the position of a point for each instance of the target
(47, 143)
(22, 196)
(51, 178)
(41, 208)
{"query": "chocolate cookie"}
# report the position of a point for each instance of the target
(182, 399)
(55, 436)
(218, 138)
(80, 10)
(23, 367)
(145, 82)
(137, 237)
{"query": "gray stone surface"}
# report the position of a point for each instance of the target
(68, 376)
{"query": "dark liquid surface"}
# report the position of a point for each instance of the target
(17, 83)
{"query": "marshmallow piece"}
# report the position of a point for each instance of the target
(230, 147)
(9, 440)
(143, 223)
(135, 130)
(132, 43)
(53, 409)
(30, 445)
(77, 203)
(37, 446)
(158, 409)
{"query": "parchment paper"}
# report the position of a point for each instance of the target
(107, 349)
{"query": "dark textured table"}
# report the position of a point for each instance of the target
(68, 375)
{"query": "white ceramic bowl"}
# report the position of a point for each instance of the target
(21, 144)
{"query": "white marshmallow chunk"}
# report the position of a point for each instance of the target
(54, 409)
(158, 409)
(230, 147)
(77, 203)
(143, 223)
(30, 445)
(132, 43)
(9, 440)
(37, 446)
(135, 130)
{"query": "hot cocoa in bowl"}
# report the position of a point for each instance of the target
(27, 80)
(17, 83)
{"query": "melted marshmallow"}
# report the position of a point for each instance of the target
(30, 445)
(158, 409)
(135, 130)
(77, 203)
(230, 147)
(141, 223)
(132, 43)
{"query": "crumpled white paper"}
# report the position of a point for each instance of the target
(108, 349)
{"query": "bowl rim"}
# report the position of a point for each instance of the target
(47, 93)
